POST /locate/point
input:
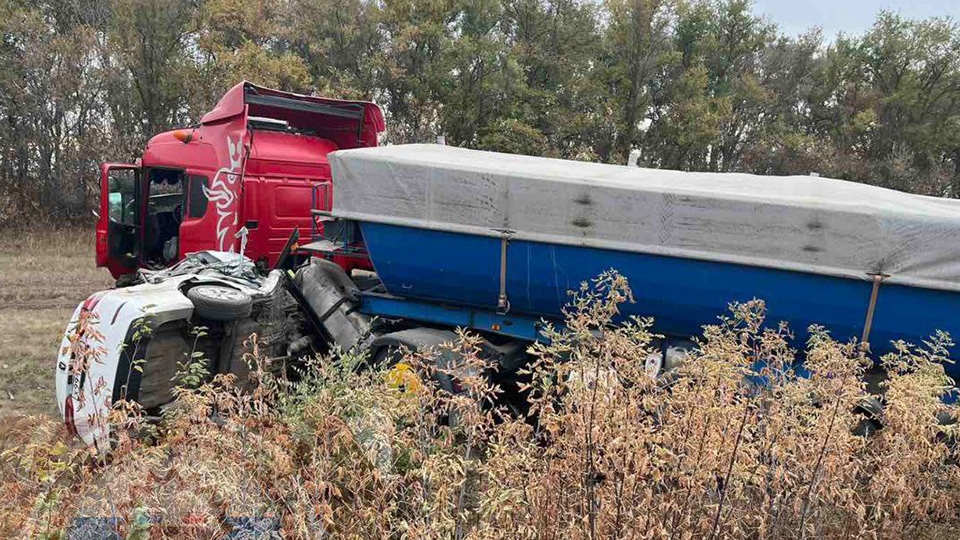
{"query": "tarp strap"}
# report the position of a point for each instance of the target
(503, 304)
(868, 324)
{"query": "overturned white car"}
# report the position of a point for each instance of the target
(114, 334)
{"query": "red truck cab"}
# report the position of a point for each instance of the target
(251, 173)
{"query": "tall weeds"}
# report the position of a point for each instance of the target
(732, 444)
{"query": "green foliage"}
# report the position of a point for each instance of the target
(194, 369)
(513, 136)
(140, 525)
(692, 84)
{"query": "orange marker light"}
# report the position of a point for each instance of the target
(183, 136)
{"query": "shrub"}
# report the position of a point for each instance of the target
(607, 450)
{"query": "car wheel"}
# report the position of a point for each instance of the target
(219, 303)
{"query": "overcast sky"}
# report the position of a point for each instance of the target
(848, 16)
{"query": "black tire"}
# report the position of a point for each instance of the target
(219, 303)
(871, 411)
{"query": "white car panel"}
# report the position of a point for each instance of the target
(84, 396)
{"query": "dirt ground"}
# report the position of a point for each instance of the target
(43, 276)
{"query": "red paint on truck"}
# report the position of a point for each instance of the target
(257, 160)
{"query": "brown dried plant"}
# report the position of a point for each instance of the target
(734, 443)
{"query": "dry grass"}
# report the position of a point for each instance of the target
(610, 453)
(43, 276)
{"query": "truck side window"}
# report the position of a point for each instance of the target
(198, 197)
(122, 199)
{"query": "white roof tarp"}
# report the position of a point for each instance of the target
(803, 223)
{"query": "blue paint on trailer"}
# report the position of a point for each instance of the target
(520, 327)
(456, 269)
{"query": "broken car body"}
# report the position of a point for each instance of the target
(135, 337)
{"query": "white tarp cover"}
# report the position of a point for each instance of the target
(802, 223)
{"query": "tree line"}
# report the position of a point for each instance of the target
(700, 85)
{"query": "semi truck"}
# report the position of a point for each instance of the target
(248, 175)
(492, 243)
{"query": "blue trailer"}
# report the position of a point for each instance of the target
(494, 242)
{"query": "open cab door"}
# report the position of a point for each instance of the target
(120, 222)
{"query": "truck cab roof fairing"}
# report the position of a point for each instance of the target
(348, 123)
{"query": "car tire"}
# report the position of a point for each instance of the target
(219, 303)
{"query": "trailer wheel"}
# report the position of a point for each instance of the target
(387, 352)
(219, 303)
